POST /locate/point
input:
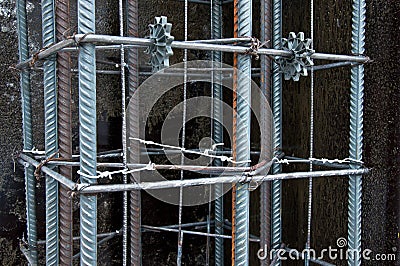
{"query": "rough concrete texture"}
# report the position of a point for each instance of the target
(332, 34)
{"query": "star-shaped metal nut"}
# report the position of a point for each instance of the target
(296, 65)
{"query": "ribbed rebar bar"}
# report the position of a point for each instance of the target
(64, 132)
(277, 129)
(265, 82)
(243, 136)
(310, 180)
(25, 85)
(133, 127)
(87, 130)
(50, 117)
(234, 124)
(216, 33)
(356, 131)
(124, 139)
(89, 189)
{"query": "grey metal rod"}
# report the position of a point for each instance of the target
(217, 128)
(89, 189)
(134, 131)
(142, 42)
(356, 133)
(266, 141)
(160, 228)
(51, 131)
(65, 181)
(110, 236)
(45, 53)
(76, 238)
(198, 168)
(243, 124)
(26, 108)
(276, 99)
(224, 40)
(87, 132)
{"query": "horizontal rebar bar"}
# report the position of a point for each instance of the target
(60, 178)
(197, 168)
(110, 236)
(224, 40)
(45, 52)
(76, 238)
(86, 188)
(143, 42)
(161, 228)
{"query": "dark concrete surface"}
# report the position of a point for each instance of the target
(332, 34)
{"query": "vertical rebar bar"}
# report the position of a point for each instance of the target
(50, 117)
(87, 130)
(64, 132)
(243, 136)
(356, 131)
(180, 207)
(25, 84)
(124, 138)
(234, 122)
(133, 83)
(216, 33)
(310, 180)
(265, 82)
(277, 129)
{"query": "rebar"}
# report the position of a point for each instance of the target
(265, 86)
(87, 130)
(133, 126)
(26, 107)
(216, 33)
(166, 229)
(277, 129)
(356, 131)
(124, 139)
(234, 127)
(143, 42)
(60, 178)
(310, 180)
(51, 138)
(183, 139)
(243, 136)
(64, 133)
(89, 189)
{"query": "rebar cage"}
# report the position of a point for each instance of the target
(60, 186)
